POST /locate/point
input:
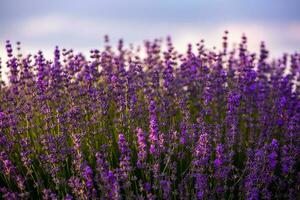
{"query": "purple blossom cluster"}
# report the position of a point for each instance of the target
(204, 124)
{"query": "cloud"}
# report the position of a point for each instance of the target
(46, 31)
(278, 37)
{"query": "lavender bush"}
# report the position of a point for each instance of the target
(199, 125)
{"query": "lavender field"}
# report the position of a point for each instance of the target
(205, 124)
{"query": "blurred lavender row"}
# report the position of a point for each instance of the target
(205, 124)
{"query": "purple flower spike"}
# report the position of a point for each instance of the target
(153, 137)
(142, 148)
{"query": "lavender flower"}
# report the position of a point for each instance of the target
(205, 124)
(153, 137)
(125, 165)
(200, 164)
(142, 148)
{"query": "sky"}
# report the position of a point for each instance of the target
(81, 25)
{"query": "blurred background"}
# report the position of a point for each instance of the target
(81, 25)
